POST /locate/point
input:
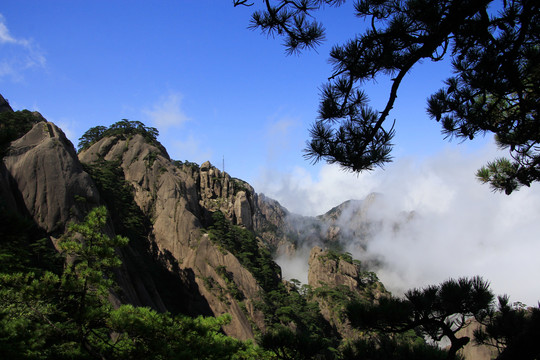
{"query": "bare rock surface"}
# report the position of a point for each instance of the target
(42, 179)
(471, 351)
(177, 201)
(337, 280)
(47, 177)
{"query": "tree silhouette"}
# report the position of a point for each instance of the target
(513, 329)
(437, 311)
(495, 59)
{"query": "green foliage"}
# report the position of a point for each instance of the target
(150, 158)
(384, 347)
(337, 298)
(23, 246)
(128, 219)
(239, 185)
(500, 174)
(69, 316)
(146, 334)
(281, 308)
(122, 128)
(337, 256)
(285, 343)
(13, 125)
(243, 244)
(495, 87)
(231, 285)
(295, 328)
(63, 316)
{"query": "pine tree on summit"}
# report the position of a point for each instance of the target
(495, 51)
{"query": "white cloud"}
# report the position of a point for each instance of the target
(167, 112)
(17, 54)
(191, 148)
(5, 36)
(461, 228)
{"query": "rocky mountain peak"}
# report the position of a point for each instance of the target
(178, 199)
(47, 178)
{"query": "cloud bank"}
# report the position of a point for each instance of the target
(459, 228)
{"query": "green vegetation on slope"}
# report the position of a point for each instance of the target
(243, 244)
(123, 128)
(13, 125)
(68, 315)
(284, 309)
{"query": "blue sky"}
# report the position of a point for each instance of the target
(215, 90)
(192, 69)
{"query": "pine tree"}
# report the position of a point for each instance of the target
(495, 87)
(437, 311)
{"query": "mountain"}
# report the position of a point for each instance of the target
(165, 207)
(200, 241)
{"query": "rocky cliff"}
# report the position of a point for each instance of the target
(336, 279)
(178, 199)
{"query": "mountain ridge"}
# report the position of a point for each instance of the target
(201, 241)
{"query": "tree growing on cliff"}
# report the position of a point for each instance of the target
(438, 311)
(495, 87)
(69, 315)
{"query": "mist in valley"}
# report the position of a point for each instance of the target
(428, 221)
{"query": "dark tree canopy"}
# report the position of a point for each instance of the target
(512, 329)
(123, 127)
(495, 52)
(437, 311)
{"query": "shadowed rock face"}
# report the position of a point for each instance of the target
(42, 179)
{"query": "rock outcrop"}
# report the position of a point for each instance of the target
(178, 202)
(471, 351)
(336, 279)
(173, 265)
(46, 178)
(42, 179)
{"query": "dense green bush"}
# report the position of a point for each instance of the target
(242, 243)
(123, 128)
(13, 125)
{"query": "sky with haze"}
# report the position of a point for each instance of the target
(218, 91)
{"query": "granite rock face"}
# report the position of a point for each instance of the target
(42, 179)
(47, 178)
(178, 202)
(337, 279)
